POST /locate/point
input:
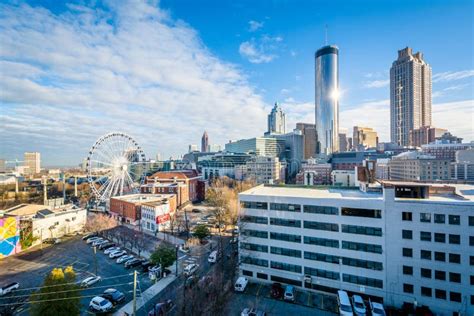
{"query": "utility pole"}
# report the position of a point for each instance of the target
(45, 191)
(41, 240)
(135, 293)
(75, 186)
(95, 259)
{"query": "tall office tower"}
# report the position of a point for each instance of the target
(32, 160)
(343, 145)
(309, 134)
(192, 148)
(410, 95)
(326, 100)
(425, 135)
(204, 142)
(276, 121)
(364, 137)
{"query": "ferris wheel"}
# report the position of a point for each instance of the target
(115, 166)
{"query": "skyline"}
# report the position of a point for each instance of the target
(74, 73)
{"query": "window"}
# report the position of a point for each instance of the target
(358, 246)
(275, 278)
(425, 291)
(454, 258)
(333, 243)
(441, 294)
(255, 233)
(471, 220)
(262, 276)
(454, 277)
(285, 207)
(472, 279)
(285, 266)
(407, 252)
(285, 222)
(328, 210)
(254, 219)
(408, 288)
(285, 237)
(360, 212)
(255, 205)
(321, 257)
(454, 220)
(359, 263)
(471, 260)
(255, 261)
(286, 252)
(407, 234)
(440, 256)
(322, 273)
(425, 236)
(425, 273)
(455, 297)
(361, 230)
(362, 280)
(439, 237)
(440, 218)
(247, 273)
(425, 254)
(321, 226)
(407, 270)
(471, 240)
(440, 275)
(454, 239)
(425, 217)
(472, 299)
(406, 216)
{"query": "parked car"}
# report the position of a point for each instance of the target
(289, 293)
(213, 256)
(52, 241)
(345, 308)
(92, 239)
(241, 284)
(190, 281)
(90, 281)
(114, 296)
(196, 210)
(146, 265)
(100, 304)
(252, 312)
(277, 290)
(184, 248)
(111, 249)
(106, 245)
(190, 269)
(376, 309)
(133, 263)
(124, 258)
(156, 268)
(162, 308)
(117, 254)
(359, 305)
(99, 242)
(89, 236)
(9, 288)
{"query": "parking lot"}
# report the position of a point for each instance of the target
(30, 269)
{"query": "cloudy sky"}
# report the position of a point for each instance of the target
(164, 72)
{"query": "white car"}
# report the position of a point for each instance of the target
(376, 308)
(90, 281)
(359, 305)
(99, 242)
(155, 268)
(100, 304)
(110, 250)
(190, 269)
(91, 240)
(124, 258)
(117, 254)
(8, 288)
(183, 248)
(252, 312)
(241, 284)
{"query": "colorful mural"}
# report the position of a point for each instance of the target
(9, 236)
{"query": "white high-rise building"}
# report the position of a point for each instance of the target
(410, 95)
(276, 121)
(32, 160)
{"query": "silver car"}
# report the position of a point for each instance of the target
(124, 258)
(110, 250)
(90, 281)
(117, 254)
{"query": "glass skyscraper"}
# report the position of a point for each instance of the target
(326, 100)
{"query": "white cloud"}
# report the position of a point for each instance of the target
(452, 75)
(260, 50)
(255, 25)
(377, 83)
(66, 79)
(457, 117)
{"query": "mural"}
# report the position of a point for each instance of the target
(9, 236)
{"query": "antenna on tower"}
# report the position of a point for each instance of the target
(326, 34)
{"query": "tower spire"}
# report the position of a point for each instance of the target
(326, 34)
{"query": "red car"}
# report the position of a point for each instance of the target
(277, 290)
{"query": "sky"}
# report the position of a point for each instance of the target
(164, 72)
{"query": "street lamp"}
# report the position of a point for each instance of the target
(176, 248)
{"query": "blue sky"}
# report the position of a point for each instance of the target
(165, 72)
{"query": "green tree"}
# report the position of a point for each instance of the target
(201, 231)
(163, 255)
(59, 295)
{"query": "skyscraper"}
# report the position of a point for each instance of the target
(204, 142)
(326, 100)
(364, 137)
(410, 95)
(309, 134)
(276, 121)
(32, 160)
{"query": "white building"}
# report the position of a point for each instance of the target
(261, 169)
(156, 215)
(410, 243)
(32, 160)
(276, 121)
(344, 178)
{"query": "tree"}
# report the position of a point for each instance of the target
(201, 232)
(99, 222)
(59, 295)
(164, 256)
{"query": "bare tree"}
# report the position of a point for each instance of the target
(99, 222)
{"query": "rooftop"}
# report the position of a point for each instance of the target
(38, 210)
(142, 198)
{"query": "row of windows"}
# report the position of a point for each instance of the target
(286, 252)
(439, 294)
(255, 261)
(321, 226)
(255, 233)
(325, 242)
(361, 230)
(438, 237)
(438, 218)
(254, 247)
(255, 205)
(440, 275)
(322, 273)
(285, 222)
(438, 256)
(285, 207)
(359, 263)
(360, 212)
(254, 219)
(362, 280)
(285, 266)
(321, 257)
(328, 210)
(358, 246)
(285, 237)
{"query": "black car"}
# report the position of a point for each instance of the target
(133, 263)
(106, 245)
(114, 296)
(145, 265)
(89, 236)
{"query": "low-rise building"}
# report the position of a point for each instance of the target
(127, 208)
(313, 173)
(156, 214)
(445, 151)
(415, 165)
(260, 169)
(425, 135)
(343, 178)
(463, 168)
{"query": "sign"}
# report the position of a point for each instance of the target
(163, 218)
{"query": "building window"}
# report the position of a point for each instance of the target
(407, 216)
(359, 263)
(407, 288)
(262, 276)
(455, 297)
(333, 243)
(454, 258)
(440, 256)
(425, 291)
(454, 239)
(454, 277)
(425, 217)
(472, 279)
(471, 260)
(439, 218)
(275, 278)
(285, 237)
(361, 230)
(425, 236)
(407, 252)
(407, 234)
(471, 220)
(285, 222)
(286, 252)
(408, 270)
(425, 273)
(358, 246)
(285, 207)
(255, 233)
(360, 212)
(321, 257)
(255, 205)
(362, 280)
(254, 219)
(440, 294)
(322, 273)
(425, 254)
(328, 210)
(471, 240)
(440, 275)
(247, 273)
(454, 220)
(440, 237)
(255, 261)
(253, 247)
(285, 266)
(321, 226)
